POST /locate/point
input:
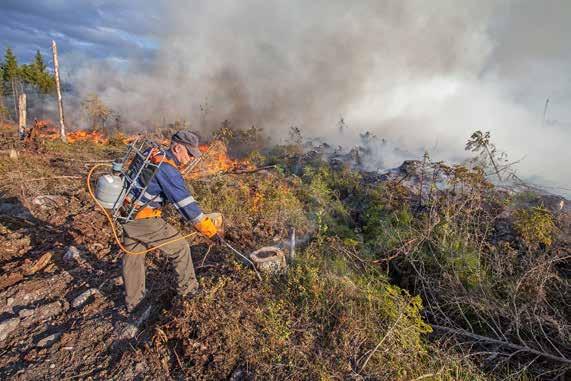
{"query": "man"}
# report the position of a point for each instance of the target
(148, 229)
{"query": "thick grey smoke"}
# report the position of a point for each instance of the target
(423, 75)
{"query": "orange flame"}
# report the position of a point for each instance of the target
(215, 156)
(87, 136)
(216, 160)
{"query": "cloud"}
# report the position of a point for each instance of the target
(97, 29)
(424, 75)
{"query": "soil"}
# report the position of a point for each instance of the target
(61, 291)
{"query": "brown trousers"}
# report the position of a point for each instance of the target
(141, 234)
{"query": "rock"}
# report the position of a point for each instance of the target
(82, 298)
(48, 201)
(8, 326)
(33, 291)
(72, 254)
(47, 311)
(48, 340)
(25, 313)
(240, 374)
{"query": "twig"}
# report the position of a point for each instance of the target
(54, 177)
(380, 342)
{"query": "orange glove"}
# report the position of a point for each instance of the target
(206, 227)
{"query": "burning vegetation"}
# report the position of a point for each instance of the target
(426, 271)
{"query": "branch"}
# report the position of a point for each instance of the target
(490, 340)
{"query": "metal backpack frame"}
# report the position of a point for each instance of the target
(137, 159)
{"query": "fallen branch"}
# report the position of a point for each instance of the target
(485, 339)
(243, 171)
(233, 172)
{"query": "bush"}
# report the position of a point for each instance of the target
(322, 319)
(535, 226)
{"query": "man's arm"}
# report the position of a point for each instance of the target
(176, 191)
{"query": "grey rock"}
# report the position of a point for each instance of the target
(25, 313)
(8, 326)
(72, 254)
(41, 313)
(82, 298)
(48, 201)
(48, 341)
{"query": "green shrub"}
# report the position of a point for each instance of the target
(535, 226)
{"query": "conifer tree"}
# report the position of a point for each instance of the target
(10, 66)
(11, 75)
(39, 63)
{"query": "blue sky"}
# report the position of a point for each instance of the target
(96, 29)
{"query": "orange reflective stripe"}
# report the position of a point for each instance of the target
(148, 213)
(206, 227)
(157, 157)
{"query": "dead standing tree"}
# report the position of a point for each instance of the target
(21, 115)
(58, 89)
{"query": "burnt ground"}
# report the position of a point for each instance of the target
(54, 249)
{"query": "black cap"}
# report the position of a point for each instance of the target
(190, 140)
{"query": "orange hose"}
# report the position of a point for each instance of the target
(112, 223)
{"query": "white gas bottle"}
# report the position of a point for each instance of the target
(109, 190)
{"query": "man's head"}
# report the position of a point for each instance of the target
(184, 146)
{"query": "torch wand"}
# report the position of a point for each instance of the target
(223, 241)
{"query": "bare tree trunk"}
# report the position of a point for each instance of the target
(58, 89)
(2, 110)
(493, 162)
(21, 115)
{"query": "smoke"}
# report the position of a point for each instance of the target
(422, 75)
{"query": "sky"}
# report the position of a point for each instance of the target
(115, 30)
(422, 75)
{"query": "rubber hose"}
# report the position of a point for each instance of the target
(112, 223)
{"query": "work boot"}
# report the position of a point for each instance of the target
(127, 328)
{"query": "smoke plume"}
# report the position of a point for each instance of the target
(422, 75)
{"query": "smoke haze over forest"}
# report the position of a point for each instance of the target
(422, 75)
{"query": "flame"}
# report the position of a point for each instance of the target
(87, 136)
(215, 157)
(215, 160)
(46, 130)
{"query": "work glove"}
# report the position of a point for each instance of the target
(206, 227)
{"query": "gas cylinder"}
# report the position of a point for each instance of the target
(109, 190)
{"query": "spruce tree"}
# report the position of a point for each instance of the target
(10, 66)
(11, 74)
(39, 63)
